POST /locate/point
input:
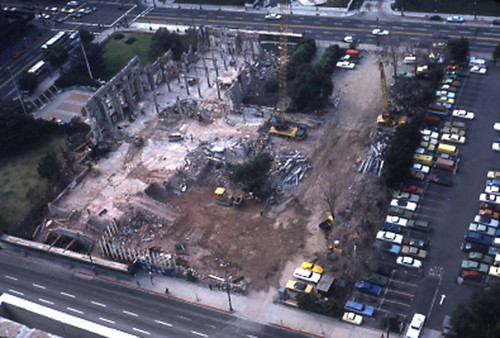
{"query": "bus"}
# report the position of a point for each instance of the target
(59, 37)
(37, 68)
(444, 148)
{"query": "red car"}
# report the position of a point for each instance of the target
(413, 189)
(471, 275)
(491, 206)
(440, 179)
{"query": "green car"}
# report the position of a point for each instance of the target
(481, 258)
(406, 196)
(475, 266)
(377, 279)
(419, 224)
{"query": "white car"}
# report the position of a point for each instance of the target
(409, 262)
(492, 189)
(481, 228)
(416, 325)
(496, 126)
(463, 114)
(273, 16)
(396, 220)
(378, 31)
(489, 198)
(478, 70)
(391, 237)
(495, 146)
(454, 138)
(430, 133)
(352, 318)
(345, 65)
(411, 206)
(486, 221)
(421, 168)
(307, 275)
(349, 38)
(457, 19)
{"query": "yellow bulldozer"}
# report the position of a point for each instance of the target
(223, 198)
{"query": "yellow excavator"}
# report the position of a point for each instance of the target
(388, 117)
(223, 198)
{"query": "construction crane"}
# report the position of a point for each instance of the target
(279, 126)
(388, 117)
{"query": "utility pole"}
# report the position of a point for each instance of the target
(85, 57)
(226, 272)
(17, 90)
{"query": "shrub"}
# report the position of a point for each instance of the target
(118, 36)
(130, 40)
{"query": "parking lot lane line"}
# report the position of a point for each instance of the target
(141, 331)
(16, 292)
(199, 333)
(163, 323)
(39, 286)
(10, 277)
(182, 317)
(399, 303)
(107, 320)
(402, 293)
(67, 294)
(46, 301)
(74, 310)
(404, 283)
(130, 313)
(98, 304)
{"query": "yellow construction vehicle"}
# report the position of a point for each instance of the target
(388, 117)
(223, 198)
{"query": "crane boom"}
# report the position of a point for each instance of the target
(385, 95)
(283, 47)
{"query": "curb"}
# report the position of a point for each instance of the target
(294, 330)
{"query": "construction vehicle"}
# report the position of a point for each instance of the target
(223, 198)
(388, 117)
(280, 127)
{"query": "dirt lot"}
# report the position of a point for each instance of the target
(179, 205)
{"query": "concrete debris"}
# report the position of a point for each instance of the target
(373, 163)
(292, 168)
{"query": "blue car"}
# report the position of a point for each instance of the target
(392, 227)
(477, 237)
(366, 287)
(362, 309)
(387, 247)
(493, 182)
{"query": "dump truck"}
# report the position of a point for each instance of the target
(280, 127)
(223, 198)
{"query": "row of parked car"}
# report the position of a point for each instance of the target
(307, 275)
(482, 239)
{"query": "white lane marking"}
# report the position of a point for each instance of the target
(210, 325)
(107, 320)
(67, 294)
(75, 310)
(10, 277)
(163, 323)
(130, 313)
(46, 301)
(39, 286)
(98, 304)
(182, 317)
(16, 292)
(251, 336)
(141, 331)
(199, 333)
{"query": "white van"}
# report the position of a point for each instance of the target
(410, 60)
(475, 61)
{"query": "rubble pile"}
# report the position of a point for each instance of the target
(146, 227)
(373, 162)
(265, 68)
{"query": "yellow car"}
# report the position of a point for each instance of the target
(352, 318)
(495, 271)
(299, 286)
(312, 267)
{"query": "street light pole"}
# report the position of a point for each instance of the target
(17, 90)
(85, 57)
(226, 272)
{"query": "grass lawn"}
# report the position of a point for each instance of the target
(483, 7)
(17, 175)
(117, 53)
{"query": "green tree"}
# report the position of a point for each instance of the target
(164, 40)
(50, 168)
(306, 301)
(399, 154)
(252, 175)
(409, 94)
(479, 317)
(326, 64)
(270, 85)
(302, 55)
(56, 56)
(496, 54)
(458, 49)
(310, 88)
(86, 37)
(28, 82)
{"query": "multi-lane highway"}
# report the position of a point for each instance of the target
(120, 307)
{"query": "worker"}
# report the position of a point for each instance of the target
(296, 199)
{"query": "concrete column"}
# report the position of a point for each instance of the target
(197, 81)
(117, 106)
(107, 113)
(129, 97)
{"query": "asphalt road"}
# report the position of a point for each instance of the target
(123, 308)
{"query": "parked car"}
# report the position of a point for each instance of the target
(494, 271)
(400, 212)
(362, 309)
(400, 221)
(419, 224)
(492, 189)
(351, 39)
(455, 19)
(299, 286)
(273, 16)
(311, 267)
(352, 318)
(483, 229)
(380, 32)
(491, 206)
(387, 247)
(489, 213)
(489, 198)
(368, 287)
(453, 138)
(495, 22)
(405, 204)
(474, 266)
(440, 179)
(493, 174)
(486, 221)
(468, 246)
(480, 257)
(376, 278)
(392, 228)
(390, 237)
(435, 17)
(463, 114)
(307, 275)
(416, 326)
(496, 144)
(418, 243)
(413, 189)
(478, 70)
(406, 196)
(409, 262)
(345, 65)
(477, 237)
(414, 252)
(471, 275)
